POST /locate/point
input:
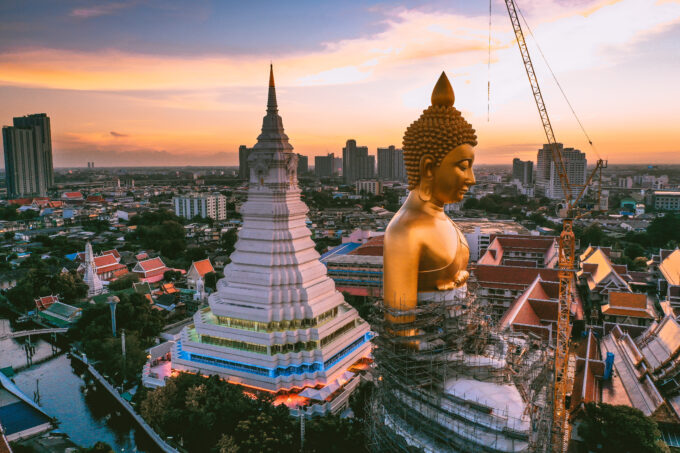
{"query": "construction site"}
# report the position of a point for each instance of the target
(446, 380)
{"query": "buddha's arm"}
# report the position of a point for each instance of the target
(400, 270)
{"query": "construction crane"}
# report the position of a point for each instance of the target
(560, 426)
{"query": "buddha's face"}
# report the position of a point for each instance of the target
(454, 176)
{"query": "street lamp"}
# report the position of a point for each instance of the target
(113, 301)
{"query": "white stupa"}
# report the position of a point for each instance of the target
(276, 320)
(91, 279)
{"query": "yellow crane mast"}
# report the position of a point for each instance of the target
(560, 426)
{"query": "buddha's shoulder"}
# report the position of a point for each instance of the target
(409, 224)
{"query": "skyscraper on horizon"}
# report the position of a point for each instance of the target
(276, 321)
(326, 166)
(391, 164)
(523, 171)
(303, 164)
(243, 168)
(28, 156)
(356, 162)
(547, 177)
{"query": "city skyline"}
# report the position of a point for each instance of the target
(183, 89)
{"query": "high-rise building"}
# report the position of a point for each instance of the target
(356, 163)
(391, 164)
(327, 166)
(548, 182)
(243, 168)
(302, 164)
(212, 206)
(28, 155)
(523, 171)
(276, 322)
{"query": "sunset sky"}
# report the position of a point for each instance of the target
(163, 82)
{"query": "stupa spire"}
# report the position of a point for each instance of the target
(272, 106)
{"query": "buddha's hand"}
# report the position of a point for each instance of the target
(461, 278)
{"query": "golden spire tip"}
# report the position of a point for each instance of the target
(271, 75)
(442, 94)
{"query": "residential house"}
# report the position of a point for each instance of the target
(198, 270)
(521, 250)
(600, 276)
(500, 286)
(633, 312)
(151, 270)
(669, 276)
(535, 310)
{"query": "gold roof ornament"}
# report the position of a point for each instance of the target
(439, 129)
(442, 94)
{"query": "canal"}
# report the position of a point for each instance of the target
(86, 414)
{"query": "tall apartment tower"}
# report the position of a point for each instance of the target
(276, 322)
(324, 166)
(356, 163)
(206, 205)
(243, 168)
(28, 156)
(302, 164)
(391, 164)
(523, 171)
(547, 178)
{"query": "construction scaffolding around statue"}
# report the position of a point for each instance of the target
(455, 383)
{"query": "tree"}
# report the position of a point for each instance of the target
(172, 276)
(99, 447)
(68, 285)
(211, 280)
(592, 235)
(664, 229)
(633, 251)
(196, 254)
(619, 429)
(124, 282)
(228, 240)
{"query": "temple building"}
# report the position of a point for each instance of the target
(277, 322)
(90, 277)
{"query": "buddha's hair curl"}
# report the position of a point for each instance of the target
(439, 129)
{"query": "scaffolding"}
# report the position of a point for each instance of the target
(447, 380)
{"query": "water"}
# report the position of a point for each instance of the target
(86, 418)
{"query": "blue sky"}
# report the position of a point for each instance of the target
(187, 80)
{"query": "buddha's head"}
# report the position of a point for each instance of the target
(438, 149)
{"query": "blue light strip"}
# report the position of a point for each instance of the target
(278, 371)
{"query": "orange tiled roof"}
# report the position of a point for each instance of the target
(628, 300)
(203, 267)
(670, 267)
(372, 247)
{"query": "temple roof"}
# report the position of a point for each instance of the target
(670, 268)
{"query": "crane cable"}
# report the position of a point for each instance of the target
(545, 60)
(488, 84)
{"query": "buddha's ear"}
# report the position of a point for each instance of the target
(426, 167)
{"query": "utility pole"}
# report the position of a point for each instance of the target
(122, 345)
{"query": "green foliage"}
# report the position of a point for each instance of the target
(203, 411)
(41, 280)
(159, 230)
(124, 282)
(93, 331)
(96, 225)
(209, 414)
(592, 235)
(333, 434)
(99, 447)
(619, 429)
(196, 254)
(172, 276)
(364, 305)
(634, 250)
(664, 229)
(211, 280)
(228, 240)
(11, 213)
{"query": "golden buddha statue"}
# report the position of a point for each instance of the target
(425, 255)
